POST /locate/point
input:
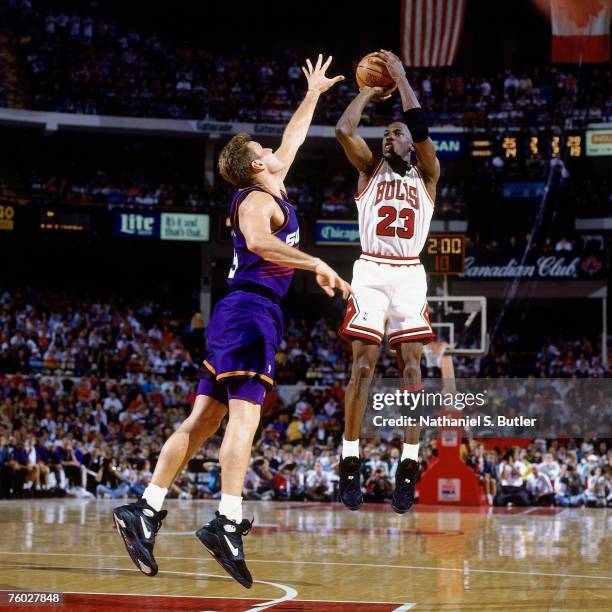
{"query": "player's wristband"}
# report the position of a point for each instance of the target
(417, 124)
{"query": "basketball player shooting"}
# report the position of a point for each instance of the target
(395, 203)
(243, 334)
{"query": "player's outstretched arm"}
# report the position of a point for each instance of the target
(297, 128)
(414, 117)
(355, 147)
(255, 217)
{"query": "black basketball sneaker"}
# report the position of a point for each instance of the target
(350, 483)
(223, 540)
(407, 475)
(138, 525)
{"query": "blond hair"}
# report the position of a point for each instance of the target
(235, 160)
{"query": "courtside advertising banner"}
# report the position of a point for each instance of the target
(598, 143)
(449, 145)
(136, 225)
(182, 226)
(164, 226)
(337, 233)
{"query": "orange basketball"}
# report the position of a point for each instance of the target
(371, 74)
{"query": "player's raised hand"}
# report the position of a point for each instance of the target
(392, 63)
(329, 280)
(317, 81)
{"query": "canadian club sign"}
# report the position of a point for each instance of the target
(546, 267)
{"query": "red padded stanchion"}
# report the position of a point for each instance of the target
(449, 480)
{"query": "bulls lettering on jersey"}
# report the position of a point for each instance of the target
(395, 212)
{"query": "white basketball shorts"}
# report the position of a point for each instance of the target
(389, 299)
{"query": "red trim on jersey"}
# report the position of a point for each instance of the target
(424, 186)
(428, 337)
(276, 275)
(381, 260)
(407, 335)
(275, 268)
(399, 257)
(386, 263)
(270, 267)
(408, 331)
(369, 183)
(352, 310)
(365, 329)
(347, 333)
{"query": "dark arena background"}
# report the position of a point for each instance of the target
(115, 246)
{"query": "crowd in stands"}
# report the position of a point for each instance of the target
(91, 388)
(561, 243)
(152, 173)
(561, 357)
(335, 201)
(53, 443)
(86, 63)
(101, 189)
(567, 474)
(57, 333)
(574, 358)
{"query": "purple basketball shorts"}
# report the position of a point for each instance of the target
(243, 335)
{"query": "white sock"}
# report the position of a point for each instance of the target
(350, 448)
(231, 507)
(410, 451)
(154, 496)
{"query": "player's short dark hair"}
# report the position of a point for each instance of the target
(235, 160)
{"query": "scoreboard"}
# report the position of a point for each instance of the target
(444, 254)
(527, 146)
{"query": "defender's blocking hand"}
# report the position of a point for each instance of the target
(317, 81)
(328, 280)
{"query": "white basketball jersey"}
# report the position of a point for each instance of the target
(394, 212)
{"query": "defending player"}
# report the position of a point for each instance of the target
(395, 203)
(244, 331)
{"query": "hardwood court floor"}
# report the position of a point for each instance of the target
(317, 557)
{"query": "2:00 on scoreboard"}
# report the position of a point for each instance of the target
(444, 254)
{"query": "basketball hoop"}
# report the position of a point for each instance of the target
(434, 353)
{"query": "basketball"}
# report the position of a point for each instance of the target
(370, 73)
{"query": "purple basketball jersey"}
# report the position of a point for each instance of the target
(250, 269)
